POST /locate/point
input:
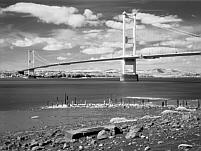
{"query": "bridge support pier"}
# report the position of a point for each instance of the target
(129, 76)
(30, 73)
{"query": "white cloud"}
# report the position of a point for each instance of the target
(51, 43)
(59, 39)
(99, 50)
(90, 15)
(194, 43)
(92, 31)
(119, 25)
(54, 14)
(158, 50)
(76, 20)
(25, 42)
(194, 39)
(146, 18)
(90, 35)
(1, 11)
(113, 24)
(2, 41)
(61, 58)
(175, 43)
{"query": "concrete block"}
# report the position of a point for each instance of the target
(83, 132)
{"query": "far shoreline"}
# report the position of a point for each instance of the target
(154, 79)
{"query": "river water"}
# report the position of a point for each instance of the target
(28, 94)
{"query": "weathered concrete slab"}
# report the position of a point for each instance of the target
(83, 132)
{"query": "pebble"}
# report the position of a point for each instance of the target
(147, 148)
(81, 148)
(184, 146)
(66, 145)
(160, 142)
(93, 142)
(100, 145)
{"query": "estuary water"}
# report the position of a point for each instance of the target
(23, 94)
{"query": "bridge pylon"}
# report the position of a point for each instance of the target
(30, 72)
(126, 61)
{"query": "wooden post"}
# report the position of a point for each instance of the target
(162, 104)
(75, 100)
(65, 99)
(57, 101)
(177, 103)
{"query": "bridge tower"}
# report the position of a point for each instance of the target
(30, 72)
(126, 61)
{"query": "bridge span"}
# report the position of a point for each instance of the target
(126, 60)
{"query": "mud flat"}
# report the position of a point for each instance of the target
(157, 129)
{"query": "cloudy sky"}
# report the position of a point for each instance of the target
(70, 30)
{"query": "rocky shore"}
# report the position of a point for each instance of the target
(170, 130)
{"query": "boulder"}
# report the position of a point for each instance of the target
(103, 134)
(134, 132)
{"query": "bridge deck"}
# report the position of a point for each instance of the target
(119, 58)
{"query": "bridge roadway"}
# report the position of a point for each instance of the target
(154, 56)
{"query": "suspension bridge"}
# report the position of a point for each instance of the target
(126, 59)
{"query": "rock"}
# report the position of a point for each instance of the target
(81, 147)
(34, 143)
(103, 134)
(150, 124)
(147, 148)
(181, 108)
(184, 146)
(20, 138)
(160, 142)
(134, 132)
(142, 136)
(37, 148)
(34, 148)
(121, 120)
(169, 112)
(115, 131)
(93, 142)
(89, 137)
(34, 117)
(66, 145)
(45, 143)
(110, 137)
(124, 126)
(86, 147)
(54, 133)
(100, 145)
